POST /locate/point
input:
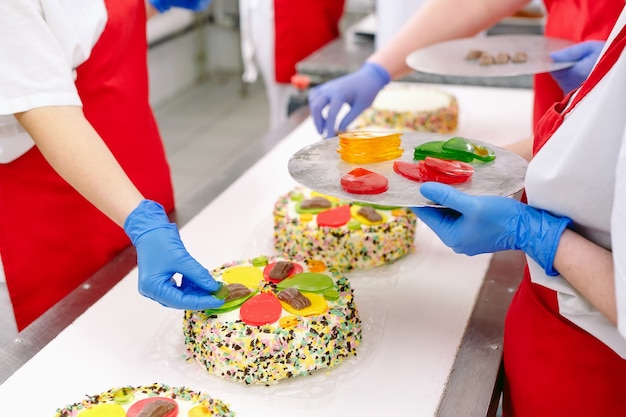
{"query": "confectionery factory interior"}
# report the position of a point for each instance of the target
(331, 296)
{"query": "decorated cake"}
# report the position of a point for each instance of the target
(156, 400)
(407, 107)
(341, 234)
(281, 319)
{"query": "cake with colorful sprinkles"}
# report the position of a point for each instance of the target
(344, 235)
(156, 400)
(281, 319)
(407, 107)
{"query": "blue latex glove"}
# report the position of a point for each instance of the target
(585, 54)
(195, 5)
(161, 254)
(358, 89)
(485, 224)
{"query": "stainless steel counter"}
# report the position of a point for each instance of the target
(348, 53)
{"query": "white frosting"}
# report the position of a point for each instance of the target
(414, 99)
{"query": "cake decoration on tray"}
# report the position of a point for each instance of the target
(366, 147)
(344, 235)
(156, 400)
(408, 107)
(281, 319)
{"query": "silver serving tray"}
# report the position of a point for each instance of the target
(449, 58)
(320, 168)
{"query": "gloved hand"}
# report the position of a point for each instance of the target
(161, 254)
(358, 89)
(585, 54)
(485, 224)
(195, 5)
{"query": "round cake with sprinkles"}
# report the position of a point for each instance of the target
(156, 400)
(280, 319)
(344, 235)
(408, 107)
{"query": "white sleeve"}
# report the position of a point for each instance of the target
(618, 236)
(43, 41)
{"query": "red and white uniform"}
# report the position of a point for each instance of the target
(276, 34)
(561, 356)
(578, 21)
(67, 52)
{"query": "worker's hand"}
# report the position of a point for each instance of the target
(160, 255)
(585, 54)
(485, 224)
(195, 5)
(358, 89)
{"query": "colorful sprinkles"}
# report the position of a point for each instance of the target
(438, 120)
(355, 245)
(126, 396)
(292, 346)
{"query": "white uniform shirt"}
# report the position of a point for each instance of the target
(581, 173)
(43, 42)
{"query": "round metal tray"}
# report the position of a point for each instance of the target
(320, 168)
(448, 58)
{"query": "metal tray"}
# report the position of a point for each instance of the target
(449, 58)
(320, 168)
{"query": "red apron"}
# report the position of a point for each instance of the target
(552, 366)
(301, 27)
(576, 20)
(51, 238)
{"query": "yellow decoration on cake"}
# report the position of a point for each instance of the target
(249, 276)
(200, 411)
(104, 410)
(318, 306)
(363, 147)
(306, 217)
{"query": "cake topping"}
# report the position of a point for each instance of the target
(434, 169)
(281, 270)
(294, 298)
(456, 148)
(261, 309)
(200, 411)
(369, 147)
(315, 203)
(259, 261)
(363, 181)
(335, 217)
(236, 291)
(249, 276)
(104, 410)
(123, 396)
(307, 281)
(519, 57)
(154, 407)
(370, 214)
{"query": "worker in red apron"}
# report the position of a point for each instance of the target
(87, 163)
(441, 20)
(276, 35)
(565, 332)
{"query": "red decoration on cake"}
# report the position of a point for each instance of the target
(166, 407)
(261, 309)
(297, 268)
(335, 217)
(363, 181)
